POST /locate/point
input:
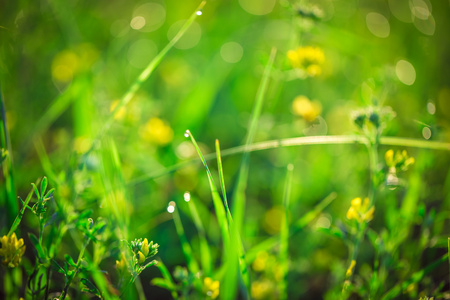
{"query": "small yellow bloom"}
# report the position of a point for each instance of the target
(260, 263)
(12, 250)
(360, 211)
(306, 108)
(141, 257)
(144, 247)
(262, 289)
(308, 59)
(400, 160)
(122, 264)
(211, 287)
(157, 131)
(350, 269)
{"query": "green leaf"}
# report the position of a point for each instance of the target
(36, 191)
(44, 183)
(90, 287)
(57, 267)
(164, 283)
(69, 260)
(40, 252)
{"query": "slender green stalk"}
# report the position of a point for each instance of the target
(131, 92)
(235, 236)
(19, 217)
(185, 246)
(69, 282)
(217, 201)
(166, 275)
(284, 234)
(301, 141)
(239, 192)
(205, 252)
(7, 165)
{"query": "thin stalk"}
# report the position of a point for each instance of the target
(131, 92)
(69, 282)
(19, 216)
(5, 143)
(239, 199)
(284, 234)
(300, 141)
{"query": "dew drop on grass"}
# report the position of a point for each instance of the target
(187, 133)
(199, 12)
(171, 207)
(187, 196)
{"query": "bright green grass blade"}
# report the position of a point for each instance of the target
(185, 246)
(298, 226)
(7, 166)
(22, 211)
(131, 92)
(205, 252)
(236, 243)
(301, 141)
(239, 192)
(217, 201)
(394, 292)
(284, 234)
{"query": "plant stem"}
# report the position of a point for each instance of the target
(69, 282)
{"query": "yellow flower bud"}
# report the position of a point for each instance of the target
(141, 257)
(350, 269)
(144, 247)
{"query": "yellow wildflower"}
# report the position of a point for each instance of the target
(122, 264)
(144, 247)
(350, 268)
(141, 257)
(12, 250)
(211, 287)
(308, 59)
(260, 263)
(400, 160)
(306, 108)
(262, 289)
(157, 131)
(360, 211)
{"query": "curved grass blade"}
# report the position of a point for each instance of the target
(239, 192)
(284, 234)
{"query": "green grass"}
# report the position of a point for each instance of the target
(99, 109)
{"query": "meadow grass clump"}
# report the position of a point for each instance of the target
(185, 155)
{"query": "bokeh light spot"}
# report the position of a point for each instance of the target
(405, 72)
(401, 10)
(431, 108)
(191, 37)
(427, 26)
(154, 15)
(420, 9)
(378, 25)
(426, 132)
(231, 52)
(137, 22)
(257, 7)
(187, 196)
(171, 207)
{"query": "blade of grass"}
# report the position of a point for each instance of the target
(205, 252)
(131, 92)
(239, 192)
(217, 201)
(235, 236)
(185, 246)
(301, 141)
(298, 226)
(284, 234)
(166, 275)
(12, 206)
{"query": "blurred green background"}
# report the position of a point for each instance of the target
(84, 55)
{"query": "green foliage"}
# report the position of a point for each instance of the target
(350, 97)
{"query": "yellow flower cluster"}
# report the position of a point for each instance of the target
(307, 109)
(157, 131)
(211, 288)
(310, 59)
(400, 160)
(262, 289)
(122, 264)
(360, 211)
(12, 250)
